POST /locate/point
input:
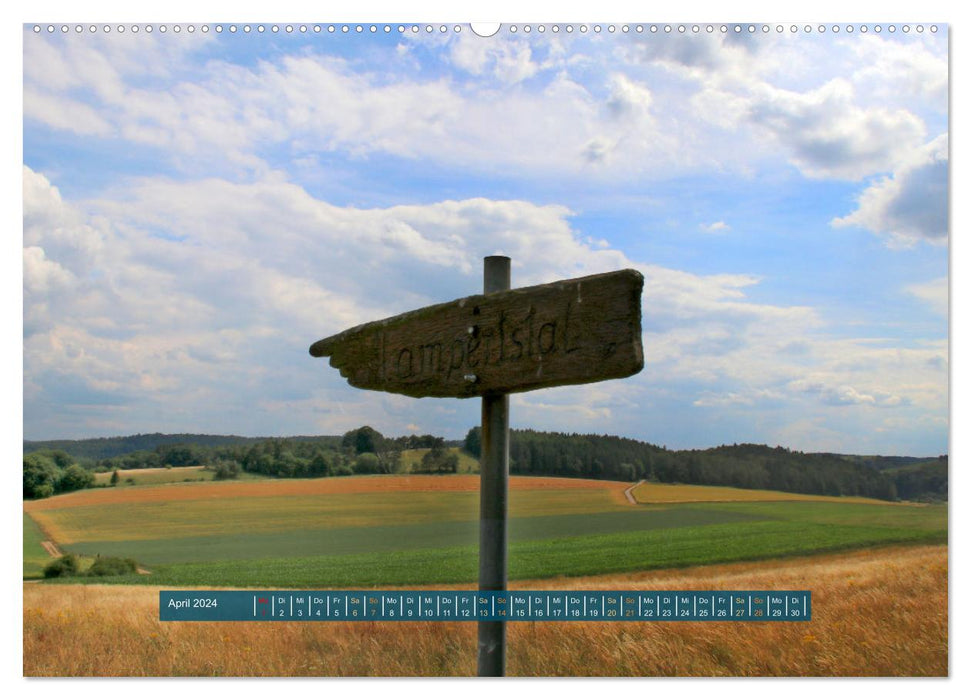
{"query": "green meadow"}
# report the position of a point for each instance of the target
(431, 537)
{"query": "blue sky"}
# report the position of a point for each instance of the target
(199, 208)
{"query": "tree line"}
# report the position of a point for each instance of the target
(366, 451)
(53, 471)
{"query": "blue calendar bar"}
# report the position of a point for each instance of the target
(475, 606)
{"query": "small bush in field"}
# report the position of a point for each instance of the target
(62, 566)
(112, 566)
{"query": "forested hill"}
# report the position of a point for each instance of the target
(104, 448)
(741, 465)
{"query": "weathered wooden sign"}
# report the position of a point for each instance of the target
(569, 332)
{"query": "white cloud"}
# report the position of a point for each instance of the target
(843, 127)
(716, 227)
(934, 293)
(42, 276)
(828, 135)
(196, 286)
(911, 204)
(726, 101)
(509, 61)
(65, 113)
(894, 71)
(737, 398)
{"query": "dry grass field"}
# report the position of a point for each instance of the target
(879, 612)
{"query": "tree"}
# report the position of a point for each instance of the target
(473, 442)
(439, 460)
(179, 456)
(322, 463)
(389, 459)
(114, 478)
(364, 439)
(75, 478)
(40, 476)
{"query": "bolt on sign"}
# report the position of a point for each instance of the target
(573, 331)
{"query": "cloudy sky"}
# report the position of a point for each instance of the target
(198, 208)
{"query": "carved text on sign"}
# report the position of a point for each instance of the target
(567, 332)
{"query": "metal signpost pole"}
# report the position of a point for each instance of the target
(493, 492)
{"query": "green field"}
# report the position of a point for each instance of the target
(163, 475)
(537, 559)
(399, 537)
(35, 556)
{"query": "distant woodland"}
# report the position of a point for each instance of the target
(65, 465)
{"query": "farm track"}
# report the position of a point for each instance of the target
(629, 492)
(51, 549)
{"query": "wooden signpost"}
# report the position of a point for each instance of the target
(504, 341)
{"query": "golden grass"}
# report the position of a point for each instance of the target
(651, 493)
(880, 612)
(304, 487)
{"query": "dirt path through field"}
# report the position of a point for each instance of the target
(51, 548)
(629, 493)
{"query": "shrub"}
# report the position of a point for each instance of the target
(225, 469)
(367, 463)
(112, 566)
(62, 566)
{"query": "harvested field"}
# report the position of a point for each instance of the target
(305, 487)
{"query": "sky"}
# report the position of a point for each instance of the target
(199, 207)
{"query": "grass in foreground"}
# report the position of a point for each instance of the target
(875, 613)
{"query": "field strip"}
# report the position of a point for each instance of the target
(650, 493)
(218, 490)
